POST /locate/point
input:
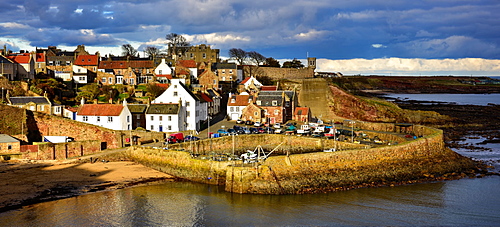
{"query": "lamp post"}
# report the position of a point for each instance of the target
(2, 94)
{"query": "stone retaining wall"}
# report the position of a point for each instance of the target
(311, 172)
(60, 151)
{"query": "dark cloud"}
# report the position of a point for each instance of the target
(280, 28)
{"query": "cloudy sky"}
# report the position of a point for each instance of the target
(350, 36)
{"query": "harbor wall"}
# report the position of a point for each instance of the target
(294, 172)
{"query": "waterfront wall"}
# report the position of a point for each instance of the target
(60, 151)
(298, 172)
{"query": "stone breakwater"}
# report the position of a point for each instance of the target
(294, 171)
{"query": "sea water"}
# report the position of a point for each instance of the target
(465, 202)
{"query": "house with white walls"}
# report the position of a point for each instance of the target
(236, 104)
(112, 116)
(168, 117)
(163, 72)
(195, 108)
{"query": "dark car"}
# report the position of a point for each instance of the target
(254, 130)
(261, 130)
(232, 131)
(249, 122)
(191, 138)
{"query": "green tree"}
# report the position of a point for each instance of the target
(271, 62)
(89, 92)
(297, 64)
(154, 90)
(239, 55)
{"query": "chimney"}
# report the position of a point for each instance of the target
(82, 101)
(124, 102)
(110, 100)
(95, 101)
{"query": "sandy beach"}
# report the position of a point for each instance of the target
(25, 182)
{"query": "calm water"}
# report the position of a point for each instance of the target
(466, 202)
(461, 99)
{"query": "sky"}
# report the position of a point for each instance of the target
(394, 37)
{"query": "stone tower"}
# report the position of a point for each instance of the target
(311, 63)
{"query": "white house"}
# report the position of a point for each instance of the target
(236, 104)
(250, 83)
(166, 117)
(80, 74)
(196, 110)
(112, 116)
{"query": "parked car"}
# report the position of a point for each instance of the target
(246, 130)
(277, 125)
(175, 138)
(239, 121)
(269, 130)
(249, 122)
(254, 130)
(261, 130)
(232, 132)
(223, 132)
(257, 124)
(191, 138)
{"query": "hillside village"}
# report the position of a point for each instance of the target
(170, 93)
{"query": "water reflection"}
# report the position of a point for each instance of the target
(462, 202)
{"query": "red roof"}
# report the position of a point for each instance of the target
(86, 60)
(40, 57)
(168, 76)
(188, 63)
(100, 110)
(206, 97)
(125, 64)
(163, 85)
(301, 111)
(21, 59)
(245, 80)
(269, 88)
(239, 100)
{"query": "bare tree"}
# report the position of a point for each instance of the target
(177, 44)
(256, 57)
(152, 51)
(239, 55)
(128, 50)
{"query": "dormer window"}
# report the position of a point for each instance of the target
(275, 103)
(233, 100)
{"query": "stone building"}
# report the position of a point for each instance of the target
(9, 144)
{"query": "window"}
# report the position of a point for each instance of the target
(256, 113)
(192, 55)
(98, 119)
(111, 80)
(197, 113)
(188, 113)
(275, 103)
(231, 71)
(128, 118)
(82, 78)
(161, 118)
(215, 81)
(237, 109)
(175, 93)
(42, 108)
(187, 103)
(175, 85)
(259, 103)
(204, 55)
(85, 118)
(110, 119)
(159, 71)
(79, 70)
(223, 78)
(138, 116)
(152, 118)
(104, 80)
(132, 81)
(169, 118)
(276, 112)
(231, 109)
(58, 109)
(169, 127)
(9, 147)
(223, 71)
(152, 127)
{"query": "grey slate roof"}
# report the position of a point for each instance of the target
(137, 108)
(22, 100)
(4, 138)
(163, 109)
